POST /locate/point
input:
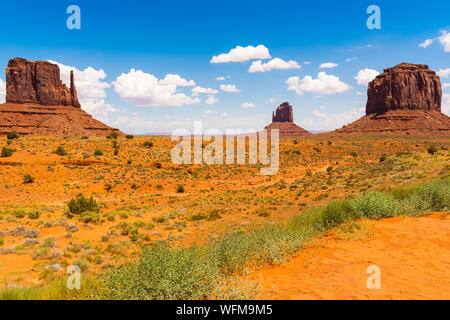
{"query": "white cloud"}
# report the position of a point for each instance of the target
(241, 54)
(324, 84)
(91, 87)
(229, 88)
(2, 91)
(307, 62)
(137, 124)
(211, 100)
(319, 114)
(176, 80)
(350, 59)
(359, 93)
(271, 100)
(328, 65)
(145, 90)
(276, 63)
(208, 112)
(446, 104)
(333, 120)
(445, 40)
(365, 76)
(443, 73)
(197, 90)
(446, 85)
(248, 105)
(220, 78)
(426, 43)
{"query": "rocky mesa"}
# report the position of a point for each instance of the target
(283, 120)
(403, 100)
(38, 103)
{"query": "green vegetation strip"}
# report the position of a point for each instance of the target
(212, 271)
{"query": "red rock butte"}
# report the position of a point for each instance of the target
(403, 100)
(39, 104)
(283, 120)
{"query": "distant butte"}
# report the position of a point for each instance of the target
(403, 100)
(39, 104)
(283, 120)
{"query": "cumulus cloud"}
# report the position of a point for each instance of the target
(426, 43)
(2, 91)
(137, 124)
(220, 78)
(248, 105)
(324, 84)
(328, 65)
(350, 59)
(229, 88)
(91, 87)
(446, 104)
(331, 121)
(211, 100)
(197, 90)
(365, 76)
(443, 73)
(276, 63)
(145, 90)
(242, 54)
(445, 41)
(307, 62)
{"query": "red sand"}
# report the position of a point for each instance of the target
(413, 254)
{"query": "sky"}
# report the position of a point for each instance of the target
(157, 66)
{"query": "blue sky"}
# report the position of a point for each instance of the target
(180, 38)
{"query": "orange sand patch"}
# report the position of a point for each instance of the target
(412, 253)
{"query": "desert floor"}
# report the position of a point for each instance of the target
(137, 189)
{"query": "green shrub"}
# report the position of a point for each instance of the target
(12, 135)
(164, 273)
(2, 241)
(376, 205)
(34, 214)
(180, 188)
(112, 135)
(148, 144)
(98, 152)
(60, 151)
(7, 152)
(90, 217)
(432, 150)
(28, 178)
(84, 137)
(129, 136)
(82, 204)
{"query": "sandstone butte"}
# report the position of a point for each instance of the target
(283, 120)
(403, 100)
(39, 104)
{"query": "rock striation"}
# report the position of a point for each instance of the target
(283, 120)
(403, 100)
(404, 87)
(38, 103)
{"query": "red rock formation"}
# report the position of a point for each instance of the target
(283, 120)
(283, 113)
(38, 103)
(404, 100)
(38, 82)
(405, 87)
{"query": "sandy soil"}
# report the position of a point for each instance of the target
(413, 255)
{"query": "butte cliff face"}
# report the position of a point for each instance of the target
(405, 100)
(405, 87)
(38, 103)
(38, 82)
(283, 120)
